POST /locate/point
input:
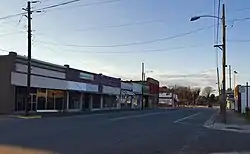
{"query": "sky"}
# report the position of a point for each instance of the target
(115, 36)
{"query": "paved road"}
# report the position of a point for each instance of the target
(133, 132)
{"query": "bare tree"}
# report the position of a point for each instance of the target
(207, 91)
(195, 94)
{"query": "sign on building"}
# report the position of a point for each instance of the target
(86, 76)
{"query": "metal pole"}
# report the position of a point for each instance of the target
(142, 78)
(218, 80)
(29, 59)
(234, 79)
(173, 97)
(230, 78)
(247, 94)
(224, 63)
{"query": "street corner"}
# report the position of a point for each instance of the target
(211, 121)
(230, 128)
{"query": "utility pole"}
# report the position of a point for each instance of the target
(27, 103)
(247, 95)
(29, 13)
(230, 77)
(142, 79)
(224, 63)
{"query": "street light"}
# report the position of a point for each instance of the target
(235, 72)
(203, 16)
(223, 48)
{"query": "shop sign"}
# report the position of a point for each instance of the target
(86, 76)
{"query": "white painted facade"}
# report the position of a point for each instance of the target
(111, 90)
(243, 90)
(20, 79)
(137, 88)
(40, 71)
(126, 86)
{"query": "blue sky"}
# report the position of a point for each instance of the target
(194, 63)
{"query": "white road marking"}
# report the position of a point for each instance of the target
(190, 116)
(83, 116)
(135, 116)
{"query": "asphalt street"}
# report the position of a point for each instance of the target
(129, 132)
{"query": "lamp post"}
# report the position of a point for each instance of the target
(223, 48)
(234, 76)
(235, 73)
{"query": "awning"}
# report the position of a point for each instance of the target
(125, 92)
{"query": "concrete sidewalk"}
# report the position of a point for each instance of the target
(235, 122)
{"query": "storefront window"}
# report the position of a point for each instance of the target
(20, 98)
(96, 104)
(41, 99)
(110, 101)
(74, 100)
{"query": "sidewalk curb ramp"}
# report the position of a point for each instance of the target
(211, 124)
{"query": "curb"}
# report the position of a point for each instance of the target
(211, 124)
(72, 114)
(28, 117)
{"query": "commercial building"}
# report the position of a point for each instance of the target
(150, 92)
(57, 88)
(242, 98)
(54, 88)
(127, 95)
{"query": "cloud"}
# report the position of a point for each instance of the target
(200, 79)
(93, 64)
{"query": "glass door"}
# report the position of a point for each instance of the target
(33, 102)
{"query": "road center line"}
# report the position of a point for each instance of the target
(135, 116)
(190, 116)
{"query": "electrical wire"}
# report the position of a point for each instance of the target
(11, 16)
(41, 9)
(5, 50)
(122, 25)
(238, 41)
(240, 19)
(130, 52)
(131, 44)
(88, 4)
(14, 33)
(56, 5)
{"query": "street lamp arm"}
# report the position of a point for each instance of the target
(204, 16)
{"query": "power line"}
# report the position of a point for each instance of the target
(4, 50)
(241, 19)
(129, 52)
(239, 41)
(123, 25)
(14, 33)
(89, 4)
(36, 10)
(56, 5)
(11, 16)
(131, 44)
